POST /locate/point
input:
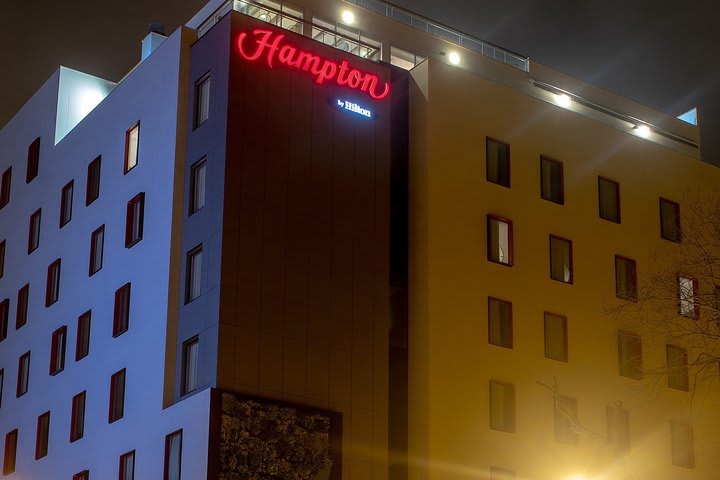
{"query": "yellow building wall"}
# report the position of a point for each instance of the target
(450, 361)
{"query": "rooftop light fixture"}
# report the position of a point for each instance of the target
(563, 100)
(642, 130)
(348, 17)
(454, 58)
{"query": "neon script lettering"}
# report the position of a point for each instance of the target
(269, 45)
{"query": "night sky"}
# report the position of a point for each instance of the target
(662, 54)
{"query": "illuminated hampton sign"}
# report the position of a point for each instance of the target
(354, 107)
(270, 46)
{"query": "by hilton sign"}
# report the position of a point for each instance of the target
(270, 46)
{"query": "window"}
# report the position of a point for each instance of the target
(132, 141)
(683, 450)
(404, 58)
(82, 345)
(21, 313)
(189, 365)
(33, 160)
(117, 396)
(77, 419)
(41, 439)
(127, 466)
(561, 259)
(618, 425)
(66, 198)
(121, 317)
(677, 368)
(609, 199)
(500, 330)
(2, 383)
(498, 162)
(23, 374)
(5, 187)
(52, 290)
(97, 240)
(193, 274)
(687, 291)
(4, 314)
(84, 475)
(11, 440)
(57, 350)
(669, 220)
(2, 258)
(34, 232)
(499, 240)
(173, 456)
(551, 180)
(566, 420)
(630, 355)
(197, 186)
(501, 474)
(202, 100)
(134, 220)
(502, 406)
(556, 338)
(625, 278)
(92, 192)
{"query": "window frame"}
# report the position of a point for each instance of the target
(127, 169)
(617, 199)
(33, 161)
(674, 447)
(92, 187)
(623, 369)
(571, 280)
(205, 78)
(138, 199)
(572, 436)
(79, 338)
(184, 366)
(23, 378)
(4, 318)
(192, 207)
(620, 442)
(121, 467)
(490, 300)
(59, 335)
(489, 140)
(564, 339)
(561, 201)
(190, 271)
(34, 230)
(5, 186)
(117, 411)
(696, 307)
(66, 207)
(2, 385)
(684, 374)
(93, 268)
(3, 248)
(618, 294)
(511, 249)
(10, 458)
(42, 435)
(22, 307)
(168, 439)
(121, 325)
(508, 426)
(84, 475)
(678, 224)
(77, 421)
(52, 285)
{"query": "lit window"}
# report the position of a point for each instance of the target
(5, 187)
(551, 180)
(52, 291)
(97, 240)
(501, 474)
(121, 318)
(197, 186)
(630, 355)
(561, 259)
(132, 140)
(500, 331)
(4, 318)
(193, 274)
(23, 379)
(127, 466)
(21, 314)
(134, 220)
(609, 199)
(34, 231)
(202, 100)
(66, 198)
(33, 160)
(84, 475)
(57, 351)
(117, 396)
(566, 420)
(502, 406)
(92, 192)
(683, 449)
(556, 340)
(499, 240)
(77, 420)
(687, 291)
(41, 439)
(625, 278)
(189, 366)
(82, 344)
(498, 162)
(618, 425)
(11, 440)
(677, 368)
(2, 259)
(173, 452)
(669, 220)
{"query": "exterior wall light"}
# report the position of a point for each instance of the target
(642, 130)
(454, 58)
(348, 17)
(563, 100)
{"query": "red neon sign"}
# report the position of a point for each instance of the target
(270, 44)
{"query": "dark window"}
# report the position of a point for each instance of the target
(117, 396)
(66, 198)
(499, 240)
(82, 344)
(2, 384)
(57, 350)
(566, 420)
(23, 379)
(561, 268)
(197, 186)
(677, 368)
(670, 220)
(630, 355)
(34, 231)
(551, 180)
(4, 318)
(193, 274)
(134, 220)
(92, 192)
(33, 160)
(498, 162)
(2, 259)
(173, 456)
(687, 294)
(618, 425)
(556, 337)
(500, 331)
(501, 474)
(683, 449)
(52, 290)
(5, 187)
(127, 466)
(21, 313)
(132, 141)
(202, 101)
(121, 318)
(189, 365)
(609, 199)
(625, 278)
(11, 440)
(97, 241)
(502, 406)
(41, 439)
(84, 475)
(77, 419)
